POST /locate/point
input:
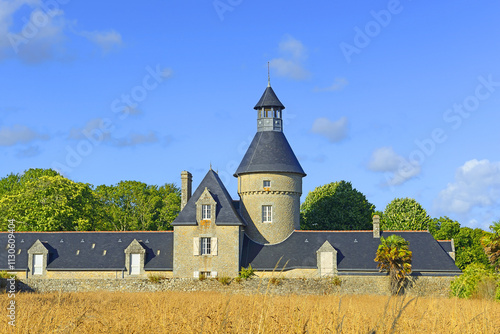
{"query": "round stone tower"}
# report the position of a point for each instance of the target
(270, 177)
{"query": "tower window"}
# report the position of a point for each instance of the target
(267, 213)
(205, 246)
(267, 183)
(206, 212)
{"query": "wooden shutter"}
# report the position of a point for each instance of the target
(214, 246)
(196, 274)
(196, 246)
(213, 274)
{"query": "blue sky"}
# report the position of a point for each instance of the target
(399, 97)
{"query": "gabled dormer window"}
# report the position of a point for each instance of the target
(206, 212)
(205, 208)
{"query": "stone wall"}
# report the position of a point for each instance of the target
(284, 197)
(225, 262)
(377, 285)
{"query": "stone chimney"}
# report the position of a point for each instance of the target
(376, 226)
(186, 181)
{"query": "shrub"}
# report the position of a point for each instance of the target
(247, 273)
(6, 274)
(336, 281)
(466, 285)
(156, 278)
(202, 277)
(224, 280)
(275, 280)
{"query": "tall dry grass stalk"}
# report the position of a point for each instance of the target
(211, 312)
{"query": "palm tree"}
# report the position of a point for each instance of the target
(491, 245)
(394, 257)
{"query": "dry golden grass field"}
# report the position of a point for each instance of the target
(211, 312)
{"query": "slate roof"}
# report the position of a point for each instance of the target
(446, 245)
(63, 247)
(269, 99)
(356, 251)
(226, 214)
(269, 152)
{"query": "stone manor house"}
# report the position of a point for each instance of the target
(215, 235)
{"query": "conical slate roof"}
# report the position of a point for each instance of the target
(269, 152)
(225, 213)
(269, 99)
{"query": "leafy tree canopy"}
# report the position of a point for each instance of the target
(336, 206)
(404, 214)
(444, 228)
(49, 203)
(43, 200)
(491, 244)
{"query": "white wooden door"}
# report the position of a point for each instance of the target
(135, 266)
(37, 264)
(326, 263)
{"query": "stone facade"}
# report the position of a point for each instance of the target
(224, 260)
(283, 195)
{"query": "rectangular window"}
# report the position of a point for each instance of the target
(206, 212)
(267, 183)
(205, 274)
(205, 246)
(267, 213)
(37, 264)
(135, 264)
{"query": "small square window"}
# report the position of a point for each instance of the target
(206, 212)
(205, 246)
(267, 183)
(267, 213)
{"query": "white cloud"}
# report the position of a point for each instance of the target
(28, 152)
(137, 139)
(106, 40)
(338, 84)
(398, 170)
(291, 65)
(19, 134)
(96, 128)
(476, 185)
(42, 33)
(335, 131)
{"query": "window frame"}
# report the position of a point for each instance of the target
(267, 213)
(266, 183)
(206, 212)
(205, 246)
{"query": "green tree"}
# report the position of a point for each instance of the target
(132, 205)
(491, 245)
(404, 214)
(468, 247)
(394, 256)
(49, 203)
(444, 228)
(336, 206)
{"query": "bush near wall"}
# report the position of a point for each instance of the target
(477, 280)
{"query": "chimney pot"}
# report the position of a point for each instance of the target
(376, 226)
(186, 182)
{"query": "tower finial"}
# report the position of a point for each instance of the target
(268, 76)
